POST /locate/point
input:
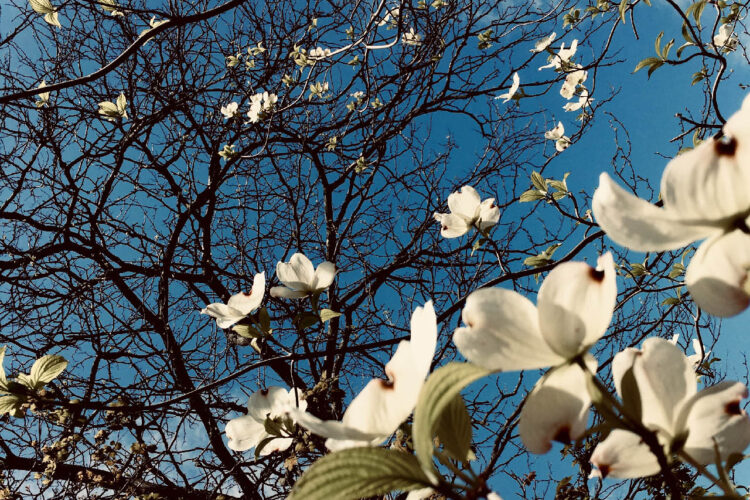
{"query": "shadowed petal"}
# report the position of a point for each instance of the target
(324, 275)
(575, 305)
(489, 214)
(555, 410)
(666, 380)
(225, 316)
(717, 274)
(625, 456)
(639, 225)
(716, 414)
(244, 433)
(502, 332)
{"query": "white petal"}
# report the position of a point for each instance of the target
(287, 293)
(710, 182)
(556, 410)
(489, 214)
(423, 339)
(244, 433)
(298, 274)
(625, 456)
(715, 414)
(562, 143)
(383, 405)
(556, 133)
(502, 332)
(717, 274)
(225, 316)
(465, 203)
(575, 305)
(513, 89)
(247, 302)
(545, 42)
(420, 494)
(324, 275)
(275, 445)
(334, 429)
(452, 226)
(621, 363)
(666, 380)
(638, 225)
(272, 402)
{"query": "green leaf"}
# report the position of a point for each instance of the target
(306, 320)
(666, 49)
(247, 331)
(733, 459)
(264, 319)
(3, 380)
(631, 395)
(359, 473)
(11, 404)
(637, 269)
(670, 301)
(677, 270)
(654, 67)
(538, 181)
(45, 369)
(327, 314)
(454, 429)
(657, 43)
(262, 445)
(439, 390)
(623, 8)
(648, 62)
(42, 6)
(532, 195)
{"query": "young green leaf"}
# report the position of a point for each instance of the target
(454, 429)
(46, 369)
(327, 314)
(359, 473)
(439, 391)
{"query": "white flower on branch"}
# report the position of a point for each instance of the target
(301, 278)
(467, 211)
(513, 89)
(505, 332)
(705, 196)
(541, 45)
(562, 57)
(726, 38)
(239, 305)
(230, 110)
(685, 420)
(557, 134)
(250, 430)
(383, 405)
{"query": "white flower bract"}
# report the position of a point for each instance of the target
(239, 305)
(301, 278)
(467, 211)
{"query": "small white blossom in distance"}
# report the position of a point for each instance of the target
(239, 305)
(301, 279)
(467, 211)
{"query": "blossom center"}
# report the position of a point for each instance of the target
(725, 145)
(562, 435)
(733, 408)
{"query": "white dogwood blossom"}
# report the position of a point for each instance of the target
(505, 332)
(696, 423)
(512, 90)
(467, 211)
(705, 196)
(726, 38)
(572, 81)
(541, 45)
(249, 431)
(563, 56)
(260, 105)
(239, 305)
(301, 278)
(557, 134)
(383, 405)
(583, 101)
(230, 110)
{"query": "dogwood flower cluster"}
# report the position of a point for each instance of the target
(260, 105)
(383, 405)
(467, 211)
(505, 332)
(699, 353)
(557, 134)
(250, 430)
(301, 279)
(556, 61)
(239, 305)
(705, 196)
(541, 45)
(687, 421)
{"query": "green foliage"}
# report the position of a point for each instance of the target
(438, 393)
(359, 473)
(454, 430)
